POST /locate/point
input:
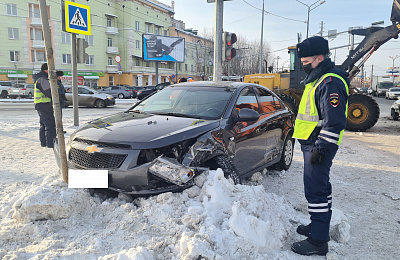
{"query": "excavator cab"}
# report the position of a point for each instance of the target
(395, 16)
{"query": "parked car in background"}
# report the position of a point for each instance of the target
(135, 90)
(151, 89)
(21, 90)
(117, 91)
(395, 110)
(392, 93)
(363, 90)
(4, 86)
(164, 142)
(89, 97)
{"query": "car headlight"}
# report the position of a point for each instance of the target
(109, 97)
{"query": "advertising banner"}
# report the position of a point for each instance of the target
(163, 48)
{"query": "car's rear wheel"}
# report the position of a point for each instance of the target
(100, 103)
(121, 96)
(30, 95)
(226, 165)
(287, 154)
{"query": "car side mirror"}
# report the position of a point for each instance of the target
(248, 115)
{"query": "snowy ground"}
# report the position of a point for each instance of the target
(40, 218)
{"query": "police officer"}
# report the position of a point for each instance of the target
(319, 127)
(44, 107)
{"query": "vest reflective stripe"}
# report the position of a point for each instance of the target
(39, 97)
(307, 118)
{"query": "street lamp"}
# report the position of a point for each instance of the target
(393, 58)
(319, 2)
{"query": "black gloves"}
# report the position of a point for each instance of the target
(317, 157)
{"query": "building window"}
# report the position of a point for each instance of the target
(157, 30)
(147, 63)
(34, 11)
(36, 34)
(13, 33)
(110, 61)
(110, 42)
(166, 32)
(38, 56)
(148, 28)
(180, 66)
(90, 60)
(191, 68)
(138, 44)
(109, 22)
(111, 80)
(137, 26)
(66, 58)
(65, 38)
(89, 39)
(11, 9)
(137, 62)
(186, 67)
(14, 56)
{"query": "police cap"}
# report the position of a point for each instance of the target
(312, 46)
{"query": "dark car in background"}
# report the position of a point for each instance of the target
(164, 142)
(135, 90)
(117, 91)
(21, 90)
(89, 97)
(141, 94)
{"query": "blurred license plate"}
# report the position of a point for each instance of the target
(15, 90)
(91, 179)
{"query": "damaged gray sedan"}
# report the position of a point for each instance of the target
(163, 142)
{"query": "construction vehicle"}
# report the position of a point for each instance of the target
(363, 111)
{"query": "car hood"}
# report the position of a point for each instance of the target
(144, 131)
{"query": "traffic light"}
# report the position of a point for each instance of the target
(228, 51)
(81, 45)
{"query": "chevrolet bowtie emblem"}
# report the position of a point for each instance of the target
(93, 149)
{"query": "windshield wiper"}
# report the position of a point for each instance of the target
(173, 114)
(137, 111)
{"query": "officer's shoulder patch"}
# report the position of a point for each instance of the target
(334, 99)
(328, 80)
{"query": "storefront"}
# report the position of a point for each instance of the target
(16, 76)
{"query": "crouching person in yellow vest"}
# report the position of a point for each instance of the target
(319, 126)
(44, 107)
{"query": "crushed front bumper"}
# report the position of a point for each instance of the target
(158, 176)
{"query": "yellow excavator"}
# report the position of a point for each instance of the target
(363, 111)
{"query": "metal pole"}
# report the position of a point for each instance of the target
(261, 44)
(219, 12)
(54, 88)
(74, 61)
(156, 72)
(308, 19)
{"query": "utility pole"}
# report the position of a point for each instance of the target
(261, 44)
(372, 75)
(393, 58)
(322, 28)
(219, 13)
(54, 89)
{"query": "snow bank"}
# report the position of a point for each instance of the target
(213, 220)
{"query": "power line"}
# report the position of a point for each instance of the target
(274, 14)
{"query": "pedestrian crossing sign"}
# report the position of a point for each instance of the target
(77, 18)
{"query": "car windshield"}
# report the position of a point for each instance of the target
(196, 102)
(394, 89)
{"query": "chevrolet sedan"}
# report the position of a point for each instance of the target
(393, 93)
(164, 142)
(89, 97)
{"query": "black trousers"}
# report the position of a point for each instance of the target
(47, 131)
(318, 192)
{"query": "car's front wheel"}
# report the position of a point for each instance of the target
(287, 154)
(100, 103)
(226, 165)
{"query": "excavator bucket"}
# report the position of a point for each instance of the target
(395, 17)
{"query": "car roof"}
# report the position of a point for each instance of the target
(218, 84)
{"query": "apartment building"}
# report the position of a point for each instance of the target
(117, 28)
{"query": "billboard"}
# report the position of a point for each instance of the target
(163, 48)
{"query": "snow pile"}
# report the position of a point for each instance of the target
(213, 220)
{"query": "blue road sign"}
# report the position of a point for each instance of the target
(77, 18)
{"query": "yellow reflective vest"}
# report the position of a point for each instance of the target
(39, 97)
(307, 117)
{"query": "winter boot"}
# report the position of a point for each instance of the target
(307, 247)
(304, 230)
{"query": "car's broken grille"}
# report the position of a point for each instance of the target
(102, 144)
(85, 159)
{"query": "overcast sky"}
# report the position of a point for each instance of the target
(286, 18)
